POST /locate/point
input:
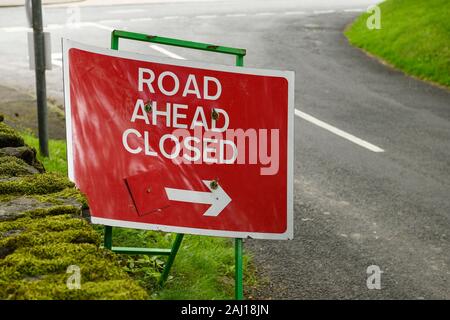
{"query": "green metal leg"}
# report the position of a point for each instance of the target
(108, 237)
(176, 245)
(239, 270)
(238, 247)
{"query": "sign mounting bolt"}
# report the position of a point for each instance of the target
(214, 184)
(148, 106)
(214, 114)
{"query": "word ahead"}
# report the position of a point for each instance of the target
(180, 146)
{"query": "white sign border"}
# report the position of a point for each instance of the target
(288, 75)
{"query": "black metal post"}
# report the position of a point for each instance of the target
(39, 62)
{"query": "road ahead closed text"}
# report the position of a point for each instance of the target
(180, 146)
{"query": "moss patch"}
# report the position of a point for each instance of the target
(37, 250)
(36, 184)
(33, 232)
(15, 167)
(61, 197)
(9, 137)
(25, 153)
(54, 287)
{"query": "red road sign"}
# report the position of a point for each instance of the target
(180, 146)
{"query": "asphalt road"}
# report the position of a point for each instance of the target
(384, 201)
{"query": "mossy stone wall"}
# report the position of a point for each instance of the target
(42, 233)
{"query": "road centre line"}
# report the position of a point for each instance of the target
(236, 15)
(15, 29)
(110, 21)
(338, 132)
(100, 26)
(304, 116)
(140, 19)
(323, 11)
(206, 16)
(288, 13)
(126, 11)
(265, 14)
(353, 10)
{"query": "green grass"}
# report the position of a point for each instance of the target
(414, 37)
(57, 161)
(203, 269)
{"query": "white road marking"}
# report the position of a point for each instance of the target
(126, 11)
(265, 14)
(110, 21)
(98, 25)
(166, 52)
(353, 10)
(338, 132)
(140, 19)
(236, 15)
(170, 17)
(323, 11)
(79, 25)
(15, 29)
(294, 12)
(206, 16)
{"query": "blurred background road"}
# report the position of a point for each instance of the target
(372, 145)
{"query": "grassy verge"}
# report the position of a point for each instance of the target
(414, 37)
(57, 161)
(203, 269)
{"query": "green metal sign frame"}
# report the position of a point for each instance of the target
(171, 253)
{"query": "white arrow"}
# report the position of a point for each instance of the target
(217, 198)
